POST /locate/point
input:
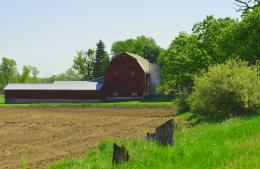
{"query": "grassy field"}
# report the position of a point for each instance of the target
(233, 144)
(154, 102)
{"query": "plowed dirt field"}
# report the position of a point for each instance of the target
(50, 134)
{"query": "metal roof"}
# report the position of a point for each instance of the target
(145, 64)
(57, 85)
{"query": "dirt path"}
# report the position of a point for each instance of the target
(50, 134)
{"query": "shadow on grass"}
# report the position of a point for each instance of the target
(143, 100)
(192, 119)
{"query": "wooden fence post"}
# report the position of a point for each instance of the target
(120, 154)
(164, 134)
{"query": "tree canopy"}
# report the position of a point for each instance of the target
(242, 38)
(8, 71)
(183, 59)
(212, 41)
(29, 75)
(83, 64)
(141, 45)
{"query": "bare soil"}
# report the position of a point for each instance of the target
(46, 135)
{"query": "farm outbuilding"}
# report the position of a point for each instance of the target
(130, 75)
(59, 91)
(127, 76)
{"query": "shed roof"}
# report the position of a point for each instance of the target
(145, 64)
(57, 85)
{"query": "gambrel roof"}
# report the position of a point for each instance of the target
(145, 64)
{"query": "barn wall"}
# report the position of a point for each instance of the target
(23, 95)
(124, 76)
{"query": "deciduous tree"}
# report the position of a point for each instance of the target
(242, 39)
(29, 75)
(83, 64)
(141, 45)
(8, 72)
(181, 61)
(247, 5)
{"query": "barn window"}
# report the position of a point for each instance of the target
(114, 94)
(115, 72)
(132, 72)
(134, 94)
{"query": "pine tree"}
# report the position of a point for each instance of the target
(101, 58)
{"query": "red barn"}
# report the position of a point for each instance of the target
(128, 75)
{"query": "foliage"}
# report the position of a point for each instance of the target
(141, 45)
(213, 41)
(242, 39)
(29, 75)
(180, 62)
(208, 32)
(104, 62)
(1, 98)
(87, 65)
(182, 102)
(101, 60)
(24, 162)
(231, 144)
(83, 64)
(8, 72)
(70, 74)
(226, 90)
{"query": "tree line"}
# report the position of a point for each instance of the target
(88, 64)
(212, 41)
(9, 73)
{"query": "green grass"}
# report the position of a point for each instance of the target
(1, 99)
(154, 102)
(232, 144)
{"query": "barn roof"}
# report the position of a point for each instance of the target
(57, 85)
(145, 64)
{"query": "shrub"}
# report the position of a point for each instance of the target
(226, 90)
(182, 102)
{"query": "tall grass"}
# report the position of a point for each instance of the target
(232, 144)
(1, 98)
(24, 162)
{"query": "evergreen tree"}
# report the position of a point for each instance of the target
(101, 60)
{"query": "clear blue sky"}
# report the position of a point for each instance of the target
(47, 33)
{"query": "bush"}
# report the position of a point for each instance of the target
(182, 102)
(226, 90)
